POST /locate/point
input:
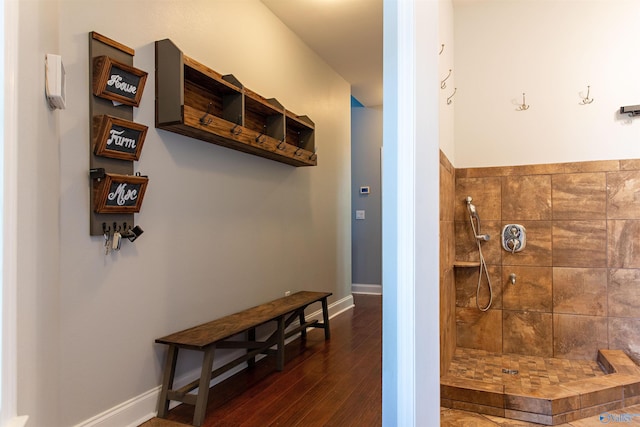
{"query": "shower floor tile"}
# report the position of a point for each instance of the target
(533, 371)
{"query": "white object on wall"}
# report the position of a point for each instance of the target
(55, 80)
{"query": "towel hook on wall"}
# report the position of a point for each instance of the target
(586, 100)
(441, 49)
(204, 120)
(449, 101)
(524, 105)
(443, 83)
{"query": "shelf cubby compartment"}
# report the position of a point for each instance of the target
(196, 101)
(300, 131)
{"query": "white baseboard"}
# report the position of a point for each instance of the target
(17, 421)
(362, 288)
(142, 408)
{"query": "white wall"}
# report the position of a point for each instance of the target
(246, 231)
(38, 219)
(448, 92)
(551, 50)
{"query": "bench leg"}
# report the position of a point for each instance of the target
(325, 319)
(251, 336)
(280, 352)
(303, 332)
(203, 386)
(167, 380)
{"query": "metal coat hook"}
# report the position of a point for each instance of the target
(449, 101)
(586, 100)
(298, 151)
(313, 156)
(282, 144)
(259, 138)
(441, 49)
(204, 120)
(524, 105)
(443, 83)
(237, 128)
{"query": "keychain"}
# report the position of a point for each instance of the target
(107, 242)
(117, 239)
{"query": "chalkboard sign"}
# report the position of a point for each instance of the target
(117, 81)
(119, 193)
(118, 138)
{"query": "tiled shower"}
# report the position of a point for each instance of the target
(577, 285)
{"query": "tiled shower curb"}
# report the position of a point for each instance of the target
(550, 405)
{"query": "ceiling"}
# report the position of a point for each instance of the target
(347, 34)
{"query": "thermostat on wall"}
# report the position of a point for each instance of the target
(55, 81)
(365, 190)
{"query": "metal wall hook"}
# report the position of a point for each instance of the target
(441, 49)
(259, 138)
(449, 101)
(443, 83)
(586, 100)
(524, 105)
(236, 130)
(313, 156)
(282, 144)
(298, 151)
(204, 120)
(97, 173)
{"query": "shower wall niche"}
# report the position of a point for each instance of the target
(578, 286)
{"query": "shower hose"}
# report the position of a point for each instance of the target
(483, 266)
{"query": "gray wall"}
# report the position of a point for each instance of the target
(248, 229)
(366, 247)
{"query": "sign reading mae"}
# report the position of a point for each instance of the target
(119, 193)
(118, 138)
(117, 81)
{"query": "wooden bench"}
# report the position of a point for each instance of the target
(209, 336)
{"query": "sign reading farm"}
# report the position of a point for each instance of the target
(118, 138)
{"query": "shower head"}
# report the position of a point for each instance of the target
(471, 207)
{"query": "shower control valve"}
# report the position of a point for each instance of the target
(514, 238)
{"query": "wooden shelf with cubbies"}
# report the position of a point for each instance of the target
(198, 102)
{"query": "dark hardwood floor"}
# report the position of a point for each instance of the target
(324, 383)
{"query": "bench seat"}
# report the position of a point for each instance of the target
(217, 333)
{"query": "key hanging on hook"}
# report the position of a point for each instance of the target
(107, 241)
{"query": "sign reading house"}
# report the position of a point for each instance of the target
(118, 138)
(117, 81)
(119, 193)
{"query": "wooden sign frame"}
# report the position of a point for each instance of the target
(125, 87)
(113, 188)
(107, 139)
